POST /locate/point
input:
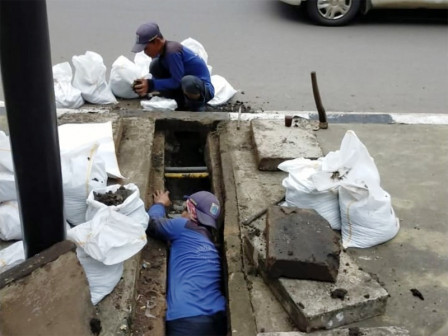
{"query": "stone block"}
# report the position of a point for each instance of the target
(300, 244)
(353, 331)
(311, 305)
(275, 143)
(47, 294)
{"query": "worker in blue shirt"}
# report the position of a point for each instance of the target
(177, 72)
(195, 303)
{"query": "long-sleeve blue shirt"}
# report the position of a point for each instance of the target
(181, 61)
(194, 269)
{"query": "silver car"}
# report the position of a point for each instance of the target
(341, 12)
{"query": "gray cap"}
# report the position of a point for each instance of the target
(145, 34)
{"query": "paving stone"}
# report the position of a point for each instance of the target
(275, 143)
(310, 304)
(380, 331)
(301, 245)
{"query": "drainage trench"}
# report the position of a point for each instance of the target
(182, 163)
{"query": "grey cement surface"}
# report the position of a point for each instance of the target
(411, 160)
(380, 331)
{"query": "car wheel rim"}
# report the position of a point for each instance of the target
(333, 9)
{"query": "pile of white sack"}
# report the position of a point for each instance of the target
(88, 83)
(105, 236)
(344, 188)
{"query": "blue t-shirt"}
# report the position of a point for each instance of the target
(181, 61)
(194, 270)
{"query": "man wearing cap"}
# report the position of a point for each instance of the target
(196, 305)
(177, 72)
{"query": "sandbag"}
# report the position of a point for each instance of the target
(350, 164)
(72, 136)
(102, 278)
(82, 171)
(10, 226)
(198, 49)
(367, 216)
(109, 237)
(90, 78)
(8, 191)
(6, 163)
(122, 76)
(132, 206)
(11, 256)
(159, 104)
(301, 191)
(143, 61)
(223, 91)
(66, 95)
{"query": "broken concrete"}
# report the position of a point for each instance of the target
(354, 331)
(273, 147)
(47, 294)
(301, 245)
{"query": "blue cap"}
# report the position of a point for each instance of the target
(145, 34)
(207, 207)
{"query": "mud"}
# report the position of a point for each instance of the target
(417, 293)
(113, 198)
(338, 293)
(354, 331)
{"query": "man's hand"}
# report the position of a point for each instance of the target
(162, 197)
(141, 87)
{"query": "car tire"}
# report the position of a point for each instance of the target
(332, 12)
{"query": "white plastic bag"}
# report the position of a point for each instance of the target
(90, 78)
(122, 76)
(102, 278)
(72, 136)
(223, 91)
(67, 96)
(8, 191)
(159, 104)
(351, 164)
(109, 237)
(143, 61)
(6, 163)
(301, 191)
(10, 227)
(82, 171)
(12, 256)
(367, 216)
(132, 206)
(198, 49)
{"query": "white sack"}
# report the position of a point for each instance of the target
(352, 164)
(159, 104)
(132, 207)
(123, 74)
(368, 218)
(143, 61)
(301, 191)
(223, 91)
(102, 278)
(90, 78)
(72, 136)
(67, 96)
(198, 49)
(11, 256)
(6, 163)
(109, 237)
(8, 191)
(10, 226)
(82, 171)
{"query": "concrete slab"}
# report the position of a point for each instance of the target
(275, 143)
(47, 294)
(300, 245)
(354, 331)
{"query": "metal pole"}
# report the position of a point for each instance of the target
(320, 108)
(31, 112)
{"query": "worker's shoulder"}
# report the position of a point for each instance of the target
(173, 47)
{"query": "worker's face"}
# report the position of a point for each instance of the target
(152, 49)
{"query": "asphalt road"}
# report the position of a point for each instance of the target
(385, 62)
